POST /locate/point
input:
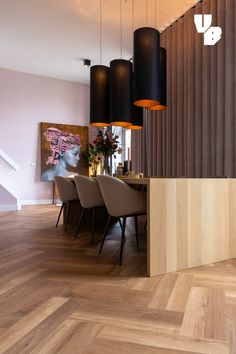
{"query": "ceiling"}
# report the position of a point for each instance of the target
(52, 37)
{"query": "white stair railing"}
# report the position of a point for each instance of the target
(9, 160)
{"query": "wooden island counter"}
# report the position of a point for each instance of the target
(190, 222)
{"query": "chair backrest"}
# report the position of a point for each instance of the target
(89, 192)
(66, 189)
(121, 199)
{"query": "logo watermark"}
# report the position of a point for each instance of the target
(212, 35)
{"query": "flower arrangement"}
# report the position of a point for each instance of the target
(106, 143)
(93, 159)
(103, 147)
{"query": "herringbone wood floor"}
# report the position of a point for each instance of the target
(58, 296)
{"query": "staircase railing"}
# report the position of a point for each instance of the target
(9, 160)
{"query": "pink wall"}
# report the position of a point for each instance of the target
(26, 100)
(6, 197)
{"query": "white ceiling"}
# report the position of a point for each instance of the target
(52, 37)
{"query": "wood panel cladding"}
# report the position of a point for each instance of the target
(191, 222)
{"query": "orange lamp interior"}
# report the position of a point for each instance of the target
(159, 107)
(146, 103)
(100, 124)
(134, 127)
(121, 124)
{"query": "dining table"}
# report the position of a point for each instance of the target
(190, 221)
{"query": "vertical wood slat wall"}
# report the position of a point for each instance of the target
(196, 135)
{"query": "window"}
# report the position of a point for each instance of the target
(124, 143)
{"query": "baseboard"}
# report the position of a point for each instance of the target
(14, 207)
(9, 207)
(38, 202)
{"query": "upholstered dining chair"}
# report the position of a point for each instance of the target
(90, 198)
(121, 201)
(68, 194)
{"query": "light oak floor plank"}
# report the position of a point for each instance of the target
(27, 323)
(163, 340)
(57, 295)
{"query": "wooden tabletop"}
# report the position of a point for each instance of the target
(130, 180)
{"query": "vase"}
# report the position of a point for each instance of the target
(106, 170)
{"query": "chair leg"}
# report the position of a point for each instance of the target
(93, 223)
(122, 240)
(120, 223)
(67, 214)
(80, 221)
(145, 226)
(60, 213)
(105, 233)
(136, 230)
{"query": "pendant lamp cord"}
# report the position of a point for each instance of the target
(132, 28)
(146, 14)
(100, 32)
(132, 16)
(121, 39)
(155, 13)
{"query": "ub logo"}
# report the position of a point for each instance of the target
(212, 35)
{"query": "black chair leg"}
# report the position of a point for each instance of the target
(122, 240)
(136, 230)
(67, 215)
(60, 213)
(93, 223)
(120, 223)
(145, 226)
(105, 233)
(80, 221)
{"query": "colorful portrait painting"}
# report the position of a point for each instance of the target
(61, 150)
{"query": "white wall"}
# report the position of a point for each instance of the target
(25, 101)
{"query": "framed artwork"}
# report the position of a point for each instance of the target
(61, 150)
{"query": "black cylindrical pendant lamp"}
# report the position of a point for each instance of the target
(146, 67)
(99, 96)
(137, 118)
(120, 92)
(163, 83)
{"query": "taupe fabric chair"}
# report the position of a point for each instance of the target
(90, 198)
(67, 193)
(121, 201)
